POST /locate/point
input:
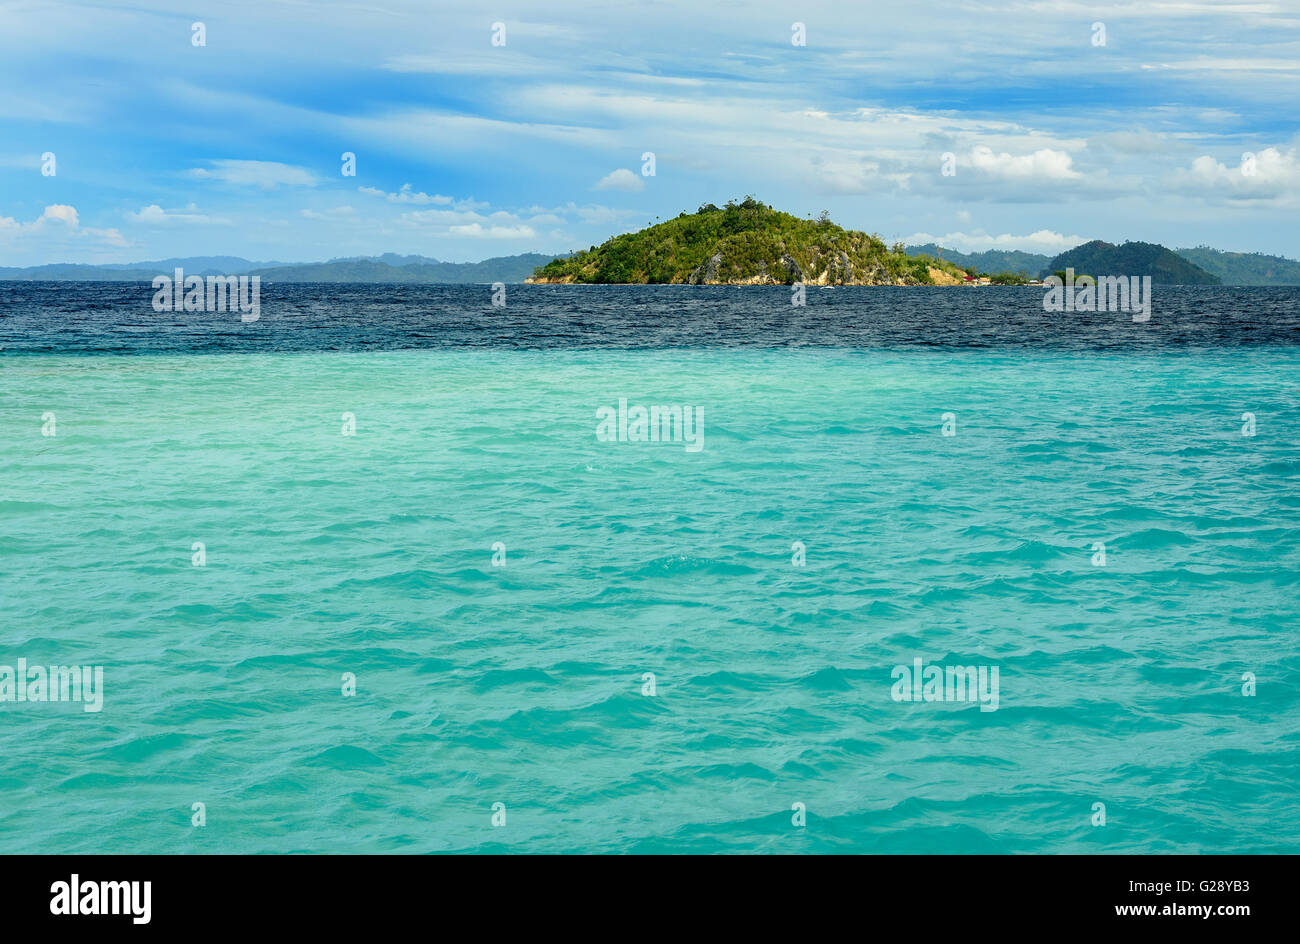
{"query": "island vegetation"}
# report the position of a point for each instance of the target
(1164, 266)
(1244, 268)
(748, 243)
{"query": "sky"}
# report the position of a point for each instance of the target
(489, 128)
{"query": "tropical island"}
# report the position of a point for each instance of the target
(747, 243)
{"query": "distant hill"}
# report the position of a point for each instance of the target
(393, 268)
(132, 271)
(865, 253)
(993, 261)
(746, 243)
(74, 272)
(390, 267)
(199, 265)
(1165, 266)
(1231, 268)
(1244, 268)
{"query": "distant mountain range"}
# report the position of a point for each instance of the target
(1244, 268)
(393, 268)
(1198, 266)
(993, 262)
(390, 267)
(132, 271)
(1099, 258)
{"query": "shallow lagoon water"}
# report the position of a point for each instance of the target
(522, 684)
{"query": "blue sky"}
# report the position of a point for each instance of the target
(466, 150)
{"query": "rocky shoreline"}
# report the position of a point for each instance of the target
(706, 275)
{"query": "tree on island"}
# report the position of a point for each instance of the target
(746, 242)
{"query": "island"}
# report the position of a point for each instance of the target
(747, 243)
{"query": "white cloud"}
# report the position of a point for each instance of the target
(849, 177)
(1267, 176)
(408, 195)
(596, 215)
(1043, 241)
(340, 212)
(479, 231)
(61, 213)
(154, 215)
(1207, 65)
(1045, 165)
(265, 174)
(59, 225)
(1139, 141)
(468, 223)
(621, 179)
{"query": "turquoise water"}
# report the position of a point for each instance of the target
(522, 684)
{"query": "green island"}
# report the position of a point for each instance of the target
(747, 243)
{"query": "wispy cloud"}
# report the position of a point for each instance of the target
(265, 174)
(155, 215)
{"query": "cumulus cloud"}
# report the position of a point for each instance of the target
(61, 213)
(1267, 176)
(407, 194)
(1045, 241)
(468, 223)
(59, 224)
(1028, 175)
(155, 215)
(621, 179)
(1045, 164)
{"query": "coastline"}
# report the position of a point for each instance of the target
(938, 278)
